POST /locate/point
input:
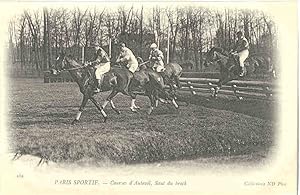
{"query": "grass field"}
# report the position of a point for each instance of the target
(40, 116)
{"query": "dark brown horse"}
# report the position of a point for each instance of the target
(170, 75)
(116, 80)
(229, 66)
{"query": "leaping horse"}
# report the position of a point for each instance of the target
(229, 66)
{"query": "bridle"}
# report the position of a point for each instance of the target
(64, 69)
(213, 60)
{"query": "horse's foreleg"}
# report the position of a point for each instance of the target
(99, 108)
(152, 101)
(105, 104)
(219, 85)
(83, 103)
(175, 103)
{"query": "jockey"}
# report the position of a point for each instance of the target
(156, 58)
(126, 56)
(242, 50)
(101, 62)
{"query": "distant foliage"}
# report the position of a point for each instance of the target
(37, 36)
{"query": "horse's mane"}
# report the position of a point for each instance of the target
(71, 59)
(219, 50)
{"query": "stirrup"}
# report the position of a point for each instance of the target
(97, 90)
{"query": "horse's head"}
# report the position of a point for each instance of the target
(211, 57)
(214, 55)
(59, 64)
(143, 65)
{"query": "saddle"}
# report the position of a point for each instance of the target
(108, 78)
(235, 58)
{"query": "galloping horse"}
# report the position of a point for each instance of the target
(172, 73)
(153, 84)
(229, 66)
(116, 80)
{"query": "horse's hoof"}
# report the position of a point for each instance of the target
(74, 122)
(133, 110)
(117, 111)
(105, 119)
(150, 111)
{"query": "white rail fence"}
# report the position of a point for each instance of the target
(240, 89)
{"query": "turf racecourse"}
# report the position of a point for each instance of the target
(40, 116)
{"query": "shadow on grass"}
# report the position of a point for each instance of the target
(255, 108)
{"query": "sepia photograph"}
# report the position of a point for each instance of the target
(127, 97)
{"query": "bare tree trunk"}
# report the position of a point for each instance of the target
(186, 42)
(22, 45)
(141, 33)
(34, 34)
(46, 40)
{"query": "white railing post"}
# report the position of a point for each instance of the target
(168, 46)
(82, 55)
(109, 47)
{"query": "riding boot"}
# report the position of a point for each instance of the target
(98, 86)
(242, 71)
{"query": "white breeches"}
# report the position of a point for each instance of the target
(101, 69)
(132, 66)
(243, 56)
(158, 66)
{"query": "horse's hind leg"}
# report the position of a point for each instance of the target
(133, 107)
(175, 103)
(99, 108)
(83, 103)
(109, 99)
(152, 100)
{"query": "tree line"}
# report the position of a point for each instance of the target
(184, 33)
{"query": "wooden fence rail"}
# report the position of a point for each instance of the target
(240, 89)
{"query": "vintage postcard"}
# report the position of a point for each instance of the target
(149, 97)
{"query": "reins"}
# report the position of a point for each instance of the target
(76, 68)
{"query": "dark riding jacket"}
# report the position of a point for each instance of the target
(241, 44)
